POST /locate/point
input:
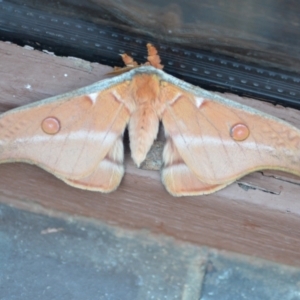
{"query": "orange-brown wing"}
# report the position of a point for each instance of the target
(108, 174)
(220, 140)
(178, 179)
(72, 136)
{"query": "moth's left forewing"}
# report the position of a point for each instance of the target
(90, 123)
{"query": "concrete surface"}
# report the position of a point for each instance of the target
(43, 257)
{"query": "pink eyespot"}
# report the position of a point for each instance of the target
(239, 132)
(51, 125)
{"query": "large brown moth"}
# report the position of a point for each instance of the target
(210, 141)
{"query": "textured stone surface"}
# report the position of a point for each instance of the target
(44, 257)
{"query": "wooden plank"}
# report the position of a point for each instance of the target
(259, 215)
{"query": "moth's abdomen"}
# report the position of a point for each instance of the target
(143, 128)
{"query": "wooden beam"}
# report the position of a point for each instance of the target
(259, 215)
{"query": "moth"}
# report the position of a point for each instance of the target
(210, 141)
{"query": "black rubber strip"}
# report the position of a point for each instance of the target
(72, 37)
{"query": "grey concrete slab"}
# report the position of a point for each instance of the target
(50, 258)
(44, 257)
(236, 277)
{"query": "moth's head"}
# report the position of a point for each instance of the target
(145, 87)
(153, 60)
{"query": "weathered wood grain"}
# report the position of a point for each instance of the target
(259, 215)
